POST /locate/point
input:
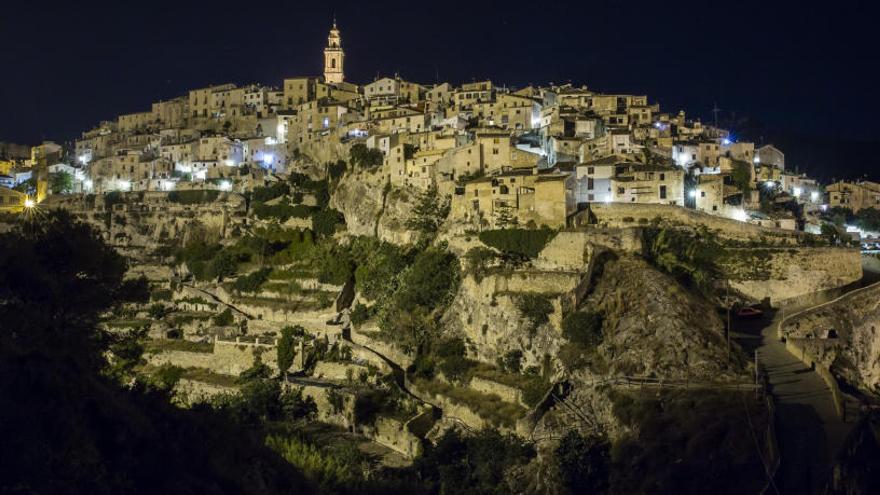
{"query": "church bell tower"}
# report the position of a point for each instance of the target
(333, 57)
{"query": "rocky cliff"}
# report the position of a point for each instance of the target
(845, 336)
(373, 208)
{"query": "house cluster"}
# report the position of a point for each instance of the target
(505, 156)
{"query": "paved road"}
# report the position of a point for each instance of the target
(808, 427)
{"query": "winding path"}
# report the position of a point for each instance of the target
(809, 429)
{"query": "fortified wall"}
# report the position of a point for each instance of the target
(782, 274)
(634, 215)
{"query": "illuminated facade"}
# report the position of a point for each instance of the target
(333, 57)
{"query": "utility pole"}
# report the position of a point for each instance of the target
(756, 374)
(727, 303)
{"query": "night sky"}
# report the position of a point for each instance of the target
(802, 74)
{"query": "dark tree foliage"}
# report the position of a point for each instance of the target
(286, 350)
(474, 464)
(252, 281)
(583, 328)
(324, 222)
(584, 463)
(518, 243)
(363, 157)
(67, 426)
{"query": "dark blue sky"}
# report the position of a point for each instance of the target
(795, 70)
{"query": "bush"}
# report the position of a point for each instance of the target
(252, 281)
(166, 376)
(583, 328)
(285, 349)
(224, 319)
(512, 361)
(359, 314)
(519, 243)
(157, 311)
(535, 308)
(368, 158)
(282, 211)
(324, 222)
(584, 463)
(263, 194)
(477, 259)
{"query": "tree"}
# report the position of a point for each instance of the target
(60, 182)
(584, 463)
(429, 213)
(286, 348)
(583, 328)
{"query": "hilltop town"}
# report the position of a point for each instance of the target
(403, 260)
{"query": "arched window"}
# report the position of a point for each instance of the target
(332, 63)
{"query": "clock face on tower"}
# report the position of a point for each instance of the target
(333, 57)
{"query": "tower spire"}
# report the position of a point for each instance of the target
(333, 56)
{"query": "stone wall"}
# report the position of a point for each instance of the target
(193, 391)
(634, 215)
(231, 358)
(395, 435)
(338, 371)
(506, 392)
(786, 273)
(842, 337)
(183, 359)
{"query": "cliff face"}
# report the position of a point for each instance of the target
(785, 273)
(845, 333)
(654, 327)
(373, 209)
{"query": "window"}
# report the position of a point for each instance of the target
(662, 192)
(590, 170)
(702, 194)
(620, 190)
(590, 184)
(662, 176)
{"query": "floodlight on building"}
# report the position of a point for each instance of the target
(740, 214)
(769, 184)
(82, 159)
(726, 142)
(268, 158)
(87, 184)
(229, 162)
(125, 185)
(692, 193)
(225, 185)
(757, 159)
(607, 198)
(29, 203)
(797, 191)
(814, 196)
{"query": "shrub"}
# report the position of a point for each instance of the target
(584, 463)
(166, 376)
(285, 349)
(364, 157)
(521, 243)
(455, 367)
(359, 314)
(252, 281)
(535, 308)
(263, 194)
(157, 311)
(224, 319)
(512, 361)
(477, 259)
(583, 328)
(324, 222)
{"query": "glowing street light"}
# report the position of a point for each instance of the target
(29, 203)
(797, 192)
(814, 196)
